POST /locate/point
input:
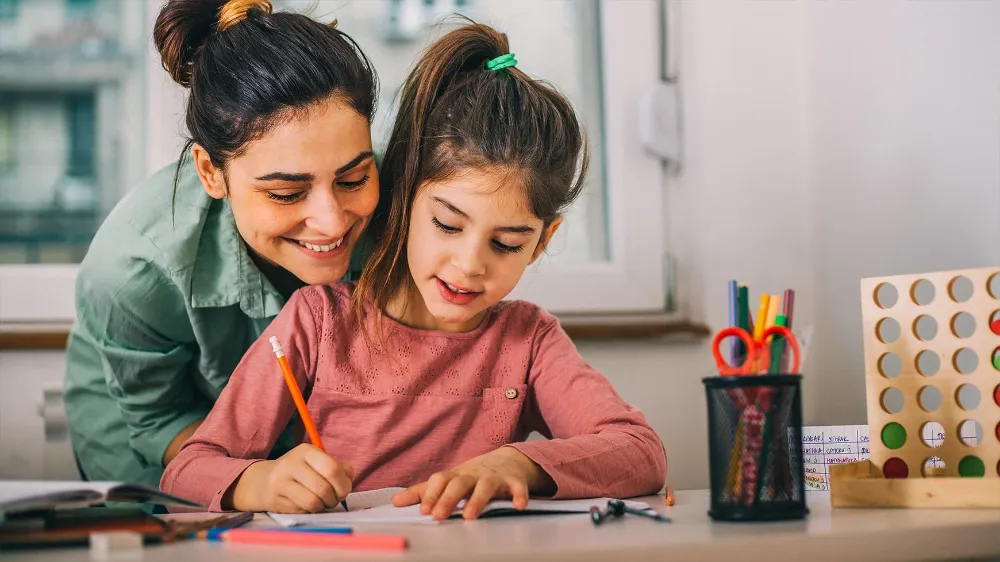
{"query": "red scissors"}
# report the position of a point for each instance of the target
(754, 404)
(758, 355)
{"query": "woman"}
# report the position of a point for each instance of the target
(273, 191)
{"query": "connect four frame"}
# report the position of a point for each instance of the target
(905, 469)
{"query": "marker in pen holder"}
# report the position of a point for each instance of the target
(755, 447)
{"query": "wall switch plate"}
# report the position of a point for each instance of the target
(659, 122)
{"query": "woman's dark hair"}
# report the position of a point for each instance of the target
(456, 114)
(247, 67)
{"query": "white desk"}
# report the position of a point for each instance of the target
(842, 534)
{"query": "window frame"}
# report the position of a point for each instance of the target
(632, 281)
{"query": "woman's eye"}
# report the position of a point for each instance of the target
(354, 184)
(285, 197)
(444, 227)
(507, 249)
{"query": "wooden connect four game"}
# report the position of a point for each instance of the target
(932, 368)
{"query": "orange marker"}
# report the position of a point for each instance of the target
(300, 403)
(305, 538)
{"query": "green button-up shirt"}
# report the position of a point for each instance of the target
(167, 302)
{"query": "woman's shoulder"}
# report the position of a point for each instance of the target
(154, 224)
(151, 237)
(157, 201)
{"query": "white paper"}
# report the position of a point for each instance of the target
(388, 513)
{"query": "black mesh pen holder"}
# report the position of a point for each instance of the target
(755, 447)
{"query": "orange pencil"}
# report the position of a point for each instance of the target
(300, 403)
(293, 388)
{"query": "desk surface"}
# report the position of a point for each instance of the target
(827, 534)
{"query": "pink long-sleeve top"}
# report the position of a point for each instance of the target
(429, 401)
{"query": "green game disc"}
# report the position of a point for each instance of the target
(893, 435)
(971, 466)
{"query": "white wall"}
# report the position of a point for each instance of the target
(24, 450)
(824, 142)
(872, 129)
(905, 159)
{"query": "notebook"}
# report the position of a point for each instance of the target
(20, 496)
(374, 506)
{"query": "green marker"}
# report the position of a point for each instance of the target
(777, 346)
(743, 320)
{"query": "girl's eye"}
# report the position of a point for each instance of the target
(285, 198)
(507, 249)
(444, 227)
(354, 184)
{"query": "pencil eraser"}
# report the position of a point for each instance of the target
(115, 545)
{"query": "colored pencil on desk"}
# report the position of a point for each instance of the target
(300, 403)
(284, 537)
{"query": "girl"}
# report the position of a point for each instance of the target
(422, 375)
(276, 188)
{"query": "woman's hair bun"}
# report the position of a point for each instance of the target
(183, 26)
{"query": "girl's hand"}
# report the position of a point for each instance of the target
(503, 473)
(303, 480)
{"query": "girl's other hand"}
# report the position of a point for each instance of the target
(504, 473)
(303, 480)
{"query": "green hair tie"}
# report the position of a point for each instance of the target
(502, 62)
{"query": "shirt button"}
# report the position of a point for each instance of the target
(511, 393)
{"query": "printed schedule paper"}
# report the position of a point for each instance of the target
(825, 445)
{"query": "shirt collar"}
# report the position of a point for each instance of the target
(224, 274)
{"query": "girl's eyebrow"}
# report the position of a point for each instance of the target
(521, 229)
(302, 177)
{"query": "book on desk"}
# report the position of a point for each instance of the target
(36, 513)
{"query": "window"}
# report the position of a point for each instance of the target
(71, 87)
(608, 256)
